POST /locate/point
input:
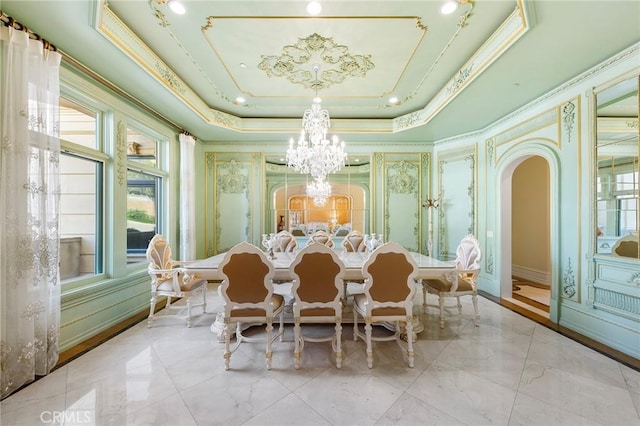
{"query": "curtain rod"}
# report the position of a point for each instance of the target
(8, 21)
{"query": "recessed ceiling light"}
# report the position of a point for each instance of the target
(282, 159)
(243, 65)
(393, 100)
(314, 8)
(357, 160)
(449, 7)
(240, 100)
(177, 7)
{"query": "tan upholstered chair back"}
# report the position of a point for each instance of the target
(354, 242)
(319, 273)
(247, 275)
(321, 237)
(285, 242)
(390, 274)
(159, 252)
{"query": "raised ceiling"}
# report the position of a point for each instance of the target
(451, 74)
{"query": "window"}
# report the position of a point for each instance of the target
(81, 198)
(144, 193)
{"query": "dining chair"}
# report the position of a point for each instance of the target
(354, 242)
(317, 296)
(322, 237)
(390, 274)
(168, 279)
(459, 282)
(285, 242)
(247, 292)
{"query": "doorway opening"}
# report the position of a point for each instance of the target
(526, 235)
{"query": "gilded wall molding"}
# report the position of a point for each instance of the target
(568, 119)
(569, 289)
(121, 152)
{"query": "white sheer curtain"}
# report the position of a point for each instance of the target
(29, 206)
(187, 197)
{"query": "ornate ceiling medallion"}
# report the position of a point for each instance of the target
(337, 63)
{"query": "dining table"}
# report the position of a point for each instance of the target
(428, 267)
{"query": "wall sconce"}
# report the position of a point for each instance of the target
(430, 204)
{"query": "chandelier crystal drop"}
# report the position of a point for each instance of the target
(314, 153)
(319, 190)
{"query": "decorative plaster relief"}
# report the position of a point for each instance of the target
(490, 150)
(121, 149)
(336, 63)
(401, 182)
(231, 181)
(568, 119)
(489, 262)
(569, 281)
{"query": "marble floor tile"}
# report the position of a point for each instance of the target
(468, 398)
(508, 371)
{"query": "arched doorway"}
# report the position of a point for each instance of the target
(528, 218)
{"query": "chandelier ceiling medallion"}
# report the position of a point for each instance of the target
(313, 153)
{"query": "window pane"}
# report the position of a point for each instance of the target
(80, 201)
(141, 148)
(142, 213)
(77, 124)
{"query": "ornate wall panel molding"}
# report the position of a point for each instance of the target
(618, 303)
(402, 200)
(232, 198)
(457, 190)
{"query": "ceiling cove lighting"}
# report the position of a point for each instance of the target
(314, 8)
(452, 5)
(177, 7)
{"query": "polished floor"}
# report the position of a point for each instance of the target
(508, 371)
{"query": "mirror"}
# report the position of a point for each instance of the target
(290, 208)
(617, 151)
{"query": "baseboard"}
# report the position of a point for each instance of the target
(533, 275)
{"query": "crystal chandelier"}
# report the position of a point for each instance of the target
(319, 190)
(314, 154)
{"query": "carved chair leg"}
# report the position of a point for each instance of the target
(152, 310)
(355, 324)
(296, 339)
(368, 332)
(204, 299)
(269, 354)
(189, 311)
(476, 321)
(410, 354)
(227, 345)
(338, 344)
